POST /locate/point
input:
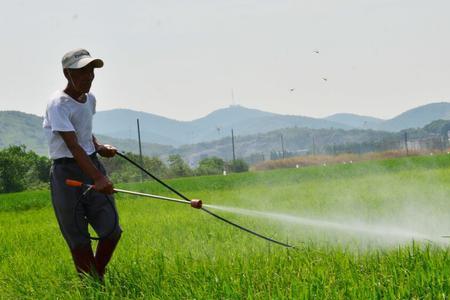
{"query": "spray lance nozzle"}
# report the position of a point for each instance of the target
(195, 203)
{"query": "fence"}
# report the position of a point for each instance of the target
(325, 146)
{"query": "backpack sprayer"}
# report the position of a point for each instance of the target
(195, 203)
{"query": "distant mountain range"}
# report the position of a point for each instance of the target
(355, 121)
(413, 118)
(417, 117)
(162, 136)
(121, 123)
(18, 128)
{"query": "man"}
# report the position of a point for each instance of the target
(73, 147)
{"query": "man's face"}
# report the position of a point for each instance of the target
(81, 79)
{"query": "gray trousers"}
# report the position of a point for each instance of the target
(97, 209)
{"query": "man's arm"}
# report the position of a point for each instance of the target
(101, 182)
(104, 150)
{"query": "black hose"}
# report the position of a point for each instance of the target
(204, 209)
(80, 201)
(246, 229)
(153, 176)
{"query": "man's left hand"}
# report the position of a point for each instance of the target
(106, 150)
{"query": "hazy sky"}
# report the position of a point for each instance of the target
(183, 59)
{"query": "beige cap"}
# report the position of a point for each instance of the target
(79, 58)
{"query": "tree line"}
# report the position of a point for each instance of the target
(21, 169)
(122, 171)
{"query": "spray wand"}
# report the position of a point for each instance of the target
(195, 203)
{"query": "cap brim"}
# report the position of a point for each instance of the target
(96, 62)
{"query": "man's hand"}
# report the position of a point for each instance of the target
(101, 182)
(106, 150)
(103, 185)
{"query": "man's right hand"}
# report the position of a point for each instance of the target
(104, 185)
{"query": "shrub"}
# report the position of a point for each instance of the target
(210, 166)
(20, 169)
(120, 170)
(238, 165)
(177, 166)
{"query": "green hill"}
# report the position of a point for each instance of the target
(17, 128)
(216, 125)
(417, 117)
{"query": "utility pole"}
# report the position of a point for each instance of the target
(232, 144)
(282, 146)
(406, 143)
(140, 147)
(313, 145)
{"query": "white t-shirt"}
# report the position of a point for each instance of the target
(63, 113)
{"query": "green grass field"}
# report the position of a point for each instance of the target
(171, 251)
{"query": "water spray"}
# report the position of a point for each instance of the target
(355, 228)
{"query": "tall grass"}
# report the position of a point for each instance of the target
(169, 251)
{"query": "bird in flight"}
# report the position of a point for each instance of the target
(324, 79)
(291, 89)
(316, 51)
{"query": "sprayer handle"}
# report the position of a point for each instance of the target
(74, 183)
